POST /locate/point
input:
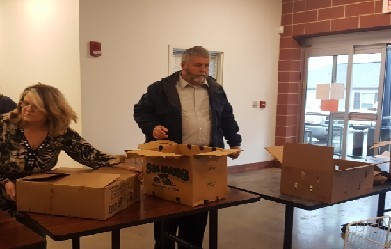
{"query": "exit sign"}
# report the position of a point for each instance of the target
(386, 6)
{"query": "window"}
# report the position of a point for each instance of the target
(356, 102)
(364, 101)
(215, 66)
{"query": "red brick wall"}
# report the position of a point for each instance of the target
(308, 18)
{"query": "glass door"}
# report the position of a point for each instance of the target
(343, 98)
(324, 71)
(366, 87)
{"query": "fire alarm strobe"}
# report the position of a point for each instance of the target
(95, 49)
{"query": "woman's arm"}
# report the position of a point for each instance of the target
(83, 152)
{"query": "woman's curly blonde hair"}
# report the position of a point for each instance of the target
(51, 101)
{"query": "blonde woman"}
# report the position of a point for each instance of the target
(33, 135)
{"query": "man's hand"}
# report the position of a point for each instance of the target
(236, 154)
(10, 190)
(160, 132)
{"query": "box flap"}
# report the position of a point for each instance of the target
(192, 149)
(43, 177)
(113, 170)
(308, 156)
(218, 152)
(169, 149)
(276, 152)
(92, 180)
(340, 164)
(380, 144)
(385, 154)
(116, 170)
(152, 153)
(155, 145)
(68, 170)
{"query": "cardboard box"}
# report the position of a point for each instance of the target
(97, 194)
(382, 160)
(310, 172)
(136, 162)
(386, 153)
(186, 174)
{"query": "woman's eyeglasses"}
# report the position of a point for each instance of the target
(25, 104)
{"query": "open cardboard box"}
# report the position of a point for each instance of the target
(310, 172)
(186, 174)
(83, 193)
(386, 153)
(382, 160)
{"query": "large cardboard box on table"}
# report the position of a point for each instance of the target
(310, 172)
(186, 174)
(83, 193)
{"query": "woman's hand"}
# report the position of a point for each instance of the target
(10, 190)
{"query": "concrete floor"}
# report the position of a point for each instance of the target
(256, 225)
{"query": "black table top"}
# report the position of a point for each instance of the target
(266, 184)
(15, 235)
(148, 210)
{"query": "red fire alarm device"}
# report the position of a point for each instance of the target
(262, 104)
(95, 49)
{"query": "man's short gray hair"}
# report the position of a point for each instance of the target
(195, 51)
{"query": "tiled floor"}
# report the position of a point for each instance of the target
(257, 225)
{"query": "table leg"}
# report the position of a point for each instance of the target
(213, 223)
(288, 226)
(163, 240)
(76, 243)
(115, 239)
(381, 204)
